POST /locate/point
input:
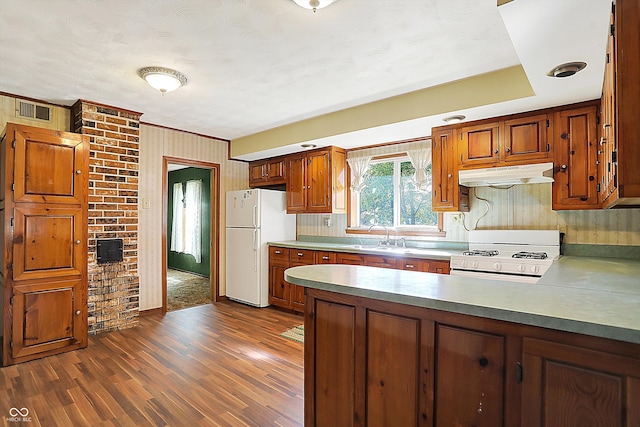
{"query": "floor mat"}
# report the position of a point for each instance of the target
(296, 333)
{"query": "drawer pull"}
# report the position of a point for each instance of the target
(300, 254)
(410, 266)
(325, 258)
(278, 252)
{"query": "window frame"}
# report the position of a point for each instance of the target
(353, 205)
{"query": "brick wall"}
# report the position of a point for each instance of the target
(114, 288)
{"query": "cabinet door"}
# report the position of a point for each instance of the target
(469, 378)
(330, 394)
(479, 146)
(49, 166)
(275, 171)
(525, 140)
(279, 289)
(296, 184)
(397, 364)
(319, 181)
(444, 176)
(48, 242)
(257, 173)
(48, 317)
(607, 163)
(297, 298)
(575, 145)
(567, 386)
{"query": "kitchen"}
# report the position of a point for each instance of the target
(520, 207)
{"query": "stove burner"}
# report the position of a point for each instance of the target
(530, 255)
(480, 253)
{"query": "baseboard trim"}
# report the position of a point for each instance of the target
(151, 311)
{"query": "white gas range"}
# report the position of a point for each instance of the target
(514, 255)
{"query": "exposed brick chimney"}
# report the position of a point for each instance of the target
(114, 288)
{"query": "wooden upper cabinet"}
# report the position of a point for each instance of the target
(446, 194)
(296, 183)
(49, 166)
(479, 145)
(267, 173)
(575, 168)
(525, 139)
(621, 95)
(316, 181)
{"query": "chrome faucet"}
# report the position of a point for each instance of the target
(385, 242)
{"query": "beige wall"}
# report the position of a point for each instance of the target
(155, 143)
(60, 116)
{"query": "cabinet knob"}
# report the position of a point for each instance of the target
(563, 168)
(449, 175)
(78, 172)
(78, 312)
(603, 140)
(483, 361)
(508, 150)
(564, 135)
(606, 125)
(77, 242)
(496, 152)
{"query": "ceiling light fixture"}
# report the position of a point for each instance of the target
(566, 70)
(308, 145)
(162, 79)
(454, 119)
(314, 4)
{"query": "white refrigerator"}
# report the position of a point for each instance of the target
(254, 217)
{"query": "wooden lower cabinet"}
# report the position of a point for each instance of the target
(370, 367)
(287, 295)
(377, 363)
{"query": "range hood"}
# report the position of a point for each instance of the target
(507, 175)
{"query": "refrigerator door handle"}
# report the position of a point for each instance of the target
(255, 249)
(255, 215)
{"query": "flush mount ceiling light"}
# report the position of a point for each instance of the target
(454, 119)
(308, 145)
(566, 70)
(314, 4)
(162, 79)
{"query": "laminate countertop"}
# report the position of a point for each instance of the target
(399, 252)
(591, 296)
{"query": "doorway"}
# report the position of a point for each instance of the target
(191, 200)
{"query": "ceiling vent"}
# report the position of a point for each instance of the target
(30, 110)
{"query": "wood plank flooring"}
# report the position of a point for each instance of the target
(222, 364)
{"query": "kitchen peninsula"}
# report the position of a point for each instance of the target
(398, 347)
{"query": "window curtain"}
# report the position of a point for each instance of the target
(421, 159)
(187, 219)
(359, 167)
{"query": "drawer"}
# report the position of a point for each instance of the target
(351, 259)
(278, 254)
(301, 256)
(323, 257)
(381, 261)
(414, 264)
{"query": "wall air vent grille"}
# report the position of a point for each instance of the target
(29, 110)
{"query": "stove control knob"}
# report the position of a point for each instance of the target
(463, 264)
(497, 266)
(521, 268)
(474, 264)
(535, 269)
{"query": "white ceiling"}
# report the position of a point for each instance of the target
(253, 65)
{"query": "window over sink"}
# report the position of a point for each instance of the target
(392, 195)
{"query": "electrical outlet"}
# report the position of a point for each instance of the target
(456, 218)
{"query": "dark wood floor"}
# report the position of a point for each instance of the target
(212, 365)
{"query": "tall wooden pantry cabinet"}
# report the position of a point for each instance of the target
(43, 211)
